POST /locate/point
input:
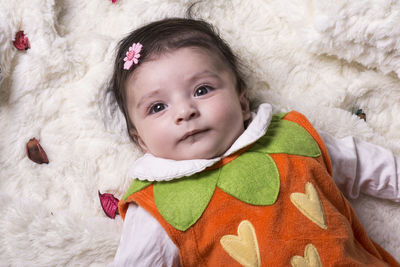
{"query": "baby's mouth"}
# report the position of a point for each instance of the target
(192, 134)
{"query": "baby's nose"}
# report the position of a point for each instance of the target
(186, 112)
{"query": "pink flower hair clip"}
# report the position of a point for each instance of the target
(133, 55)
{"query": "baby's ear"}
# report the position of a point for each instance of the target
(245, 105)
(135, 136)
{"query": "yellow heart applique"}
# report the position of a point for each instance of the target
(243, 247)
(311, 258)
(310, 205)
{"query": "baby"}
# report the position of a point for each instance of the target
(219, 185)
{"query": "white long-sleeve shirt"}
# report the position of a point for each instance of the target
(358, 167)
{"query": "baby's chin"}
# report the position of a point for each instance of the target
(191, 155)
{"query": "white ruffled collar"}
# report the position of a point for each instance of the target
(151, 168)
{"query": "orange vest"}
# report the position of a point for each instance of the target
(308, 222)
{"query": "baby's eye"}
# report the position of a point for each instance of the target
(157, 107)
(202, 90)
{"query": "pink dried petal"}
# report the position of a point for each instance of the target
(109, 204)
(21, 42)
(114, 1)
(35, 152)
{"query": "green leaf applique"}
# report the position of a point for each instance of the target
(253, 178)
(136, 186)
(287, 137)
(181, 202)
(279, 116)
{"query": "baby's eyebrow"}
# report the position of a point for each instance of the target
(148, 95)
(203, 74)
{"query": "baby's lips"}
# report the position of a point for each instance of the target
(35, 152)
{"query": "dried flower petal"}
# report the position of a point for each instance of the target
(109, 204)
(114, 1)
(361, 114)
(35, 152)
(21, 42)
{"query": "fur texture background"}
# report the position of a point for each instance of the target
(324, 58)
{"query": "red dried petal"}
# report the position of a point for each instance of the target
(114, 1)
(21, 42)
(35, 152)
(109, 204)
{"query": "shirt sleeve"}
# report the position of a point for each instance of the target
(362, 167)
(144, 242)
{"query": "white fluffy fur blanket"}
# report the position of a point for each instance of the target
(324, 58)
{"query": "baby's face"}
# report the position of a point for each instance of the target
(184, 105)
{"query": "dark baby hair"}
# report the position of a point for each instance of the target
(169, 35)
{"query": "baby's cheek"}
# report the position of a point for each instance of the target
(230, 115)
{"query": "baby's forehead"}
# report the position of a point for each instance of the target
(213, 57)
